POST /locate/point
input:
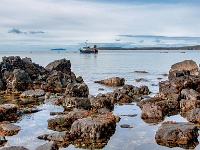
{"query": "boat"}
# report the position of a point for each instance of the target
(88, 49)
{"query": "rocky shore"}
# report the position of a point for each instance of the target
(87, 121)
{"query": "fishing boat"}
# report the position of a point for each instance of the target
(88, 49)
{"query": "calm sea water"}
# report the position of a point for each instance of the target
(106, 64)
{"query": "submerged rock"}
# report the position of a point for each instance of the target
(48, 146)
(9, 129)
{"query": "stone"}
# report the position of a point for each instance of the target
(186, 105)
(114, 81)
(8, 112)
(77, 90)
(194, 115)
(48, 146)
(33, 93)
(190, 94)
(2, 140)
(173, 134)
(125, 126)
(14, 148)
(9, 129)
(187, 65)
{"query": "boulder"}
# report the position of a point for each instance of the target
(2, 140)
(190, 94)
(9, 129)
(94, 127)
(194, 115)
(186, 105)
(62, 65)
(8, 112)
(63, 122)
(48, 146)
(187, 67)
(32, 93)
(77, 90)
(114, 81)
(173, 134)
(14, 148)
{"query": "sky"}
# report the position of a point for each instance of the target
(51, 23)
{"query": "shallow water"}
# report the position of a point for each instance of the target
(93, 67)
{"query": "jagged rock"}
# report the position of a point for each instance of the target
(32, 93)
(114, 81)
(94, 127)
(187, 67)
(77, 90)
(48, 146)
(62, 122)
(2, 140)
(194, 115)
(76, 102)
(174, 134)
(14, 148)
(186, 105)
(8, 112)
(9, 129)
(62, 65)
(190, 94)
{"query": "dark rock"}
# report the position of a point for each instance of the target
(62, 122)
(140, 71)
(62, 65)
(114, 81)
(94, 127)
(48, 146)
(76, 102)
(174, 134)
(77, 90)
(2, 140)
(125, 126)
(190, 94)
(8, 112)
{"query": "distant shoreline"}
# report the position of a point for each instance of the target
(195, 47)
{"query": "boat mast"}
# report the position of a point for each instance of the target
(86, 43)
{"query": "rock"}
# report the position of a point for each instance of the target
(194, 115)
(62, 65)
(79, 79)
(2, 140)
(33, 93)
(14, 148)
(186, 105)
(188, 67)
(62, 122)
(190, 94)
(114, 81)
(48, 146)
(94, 127)
(125, 126)
(141, 79)
(59, 137)
(9, 129)
(76, 102)
(8, 112)
(140, 71)
(174, 134)
(77, 90)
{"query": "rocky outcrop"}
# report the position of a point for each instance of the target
(9, 129)
(8, 112)
(114, 81)
(77, 90)
(179, 134)
(187, 67)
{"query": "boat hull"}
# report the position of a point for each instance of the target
(88, 51)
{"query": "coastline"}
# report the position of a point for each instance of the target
(194, 47)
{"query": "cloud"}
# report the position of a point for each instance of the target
(16, 31)
(36, 32)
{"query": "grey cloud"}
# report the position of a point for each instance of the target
(36, 32)
(16, 31)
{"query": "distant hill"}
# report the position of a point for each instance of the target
(195, 47)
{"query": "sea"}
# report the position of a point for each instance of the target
(95, 67)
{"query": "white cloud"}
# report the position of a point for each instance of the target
(74, 21)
